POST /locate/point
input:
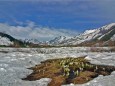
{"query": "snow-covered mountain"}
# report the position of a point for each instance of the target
(104, 33)
(58, 40)
(113, 38)
(35, 41)
(7, 40)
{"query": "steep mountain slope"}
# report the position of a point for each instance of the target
(58, 40)
(34, 41)
(104, 36)
(113, 38)
(7, 40)
(104, 33)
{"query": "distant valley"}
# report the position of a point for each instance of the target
(103, 36)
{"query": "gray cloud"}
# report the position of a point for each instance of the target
(32, 31)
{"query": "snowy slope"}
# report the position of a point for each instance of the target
(5, 41)
(103, 34)
(58, 40)
(113, 38)
(35, 41)
(8, 40)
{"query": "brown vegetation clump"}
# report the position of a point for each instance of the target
(68, 70)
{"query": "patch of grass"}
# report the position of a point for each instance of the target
(68, 70)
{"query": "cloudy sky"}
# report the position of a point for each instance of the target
(45, 19)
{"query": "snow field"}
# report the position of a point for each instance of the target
(14, 64)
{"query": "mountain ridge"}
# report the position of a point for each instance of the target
(7, 40)
(104, 35)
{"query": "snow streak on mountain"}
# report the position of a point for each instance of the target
(104, 34)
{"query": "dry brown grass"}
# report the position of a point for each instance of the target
(53, 68)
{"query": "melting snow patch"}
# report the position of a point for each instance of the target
(98, 55)
(108, 57)
(4, 65)
(113, 73)
(22, 58)
(7, 57)
(22, 54)
(95, 62)
(13, 59)
(13, 55)
(29, 55)
(12, 72)
(71, 84)
(88, 58)
(10, 69)
(2, 69)
(43, 81)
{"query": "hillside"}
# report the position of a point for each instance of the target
(7, 40)
(105, 34)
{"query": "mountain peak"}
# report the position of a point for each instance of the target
(103, 33)
(58, 40)
(89, 31)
